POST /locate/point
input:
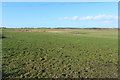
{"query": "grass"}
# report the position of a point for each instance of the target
(92, 54)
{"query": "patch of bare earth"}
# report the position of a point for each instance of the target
(47, 31)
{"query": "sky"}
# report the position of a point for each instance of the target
(60, 14)
(59, 0)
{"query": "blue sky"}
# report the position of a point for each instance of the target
(60, 14)
(59, 0)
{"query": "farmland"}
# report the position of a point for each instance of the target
(60, 53)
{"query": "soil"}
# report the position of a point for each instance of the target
(48, 31)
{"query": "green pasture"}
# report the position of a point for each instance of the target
(88, 54)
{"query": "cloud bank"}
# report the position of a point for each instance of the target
(101, 18)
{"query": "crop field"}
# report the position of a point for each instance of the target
(59, 53)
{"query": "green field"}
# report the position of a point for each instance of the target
(89, 54)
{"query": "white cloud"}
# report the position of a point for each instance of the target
(101, 18)
(64, 18)
(75, 18)
(87, 18)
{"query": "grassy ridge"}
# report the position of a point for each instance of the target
(92, 53)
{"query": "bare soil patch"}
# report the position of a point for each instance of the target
(47, 31)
